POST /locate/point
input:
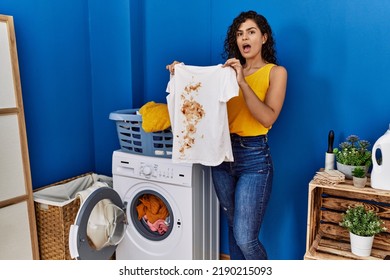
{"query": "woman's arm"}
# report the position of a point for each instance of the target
(268, 111)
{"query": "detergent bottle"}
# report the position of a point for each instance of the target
(380, 175)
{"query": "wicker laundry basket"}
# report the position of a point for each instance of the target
(53, 222)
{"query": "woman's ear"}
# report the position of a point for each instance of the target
(264, 38)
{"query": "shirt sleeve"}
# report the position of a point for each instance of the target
(171, 99)
(229, 85)
(169, 85)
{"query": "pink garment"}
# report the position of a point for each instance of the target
(158, 226)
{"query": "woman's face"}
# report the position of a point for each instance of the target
(250, 39)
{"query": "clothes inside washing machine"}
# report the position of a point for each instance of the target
(152, 215)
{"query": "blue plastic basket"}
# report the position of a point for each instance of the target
(133, 139)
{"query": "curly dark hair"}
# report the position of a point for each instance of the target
(231, 50)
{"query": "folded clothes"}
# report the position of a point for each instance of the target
(155, 117)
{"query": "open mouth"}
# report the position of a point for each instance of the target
(246, 48)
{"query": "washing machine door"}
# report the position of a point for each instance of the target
(99, 226)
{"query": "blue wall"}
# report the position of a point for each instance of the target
(55, 67)
(111, 68)
(81, 60)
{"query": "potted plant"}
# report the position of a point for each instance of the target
(351, 154)
(359, 177)
(362, 225)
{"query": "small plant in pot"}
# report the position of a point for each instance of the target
(362, 225)
(352, 153)
(359, 177)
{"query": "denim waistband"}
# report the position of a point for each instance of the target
(261, 138)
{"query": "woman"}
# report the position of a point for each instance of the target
(244, 186)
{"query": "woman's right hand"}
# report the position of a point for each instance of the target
(171, 67)
(236, 65)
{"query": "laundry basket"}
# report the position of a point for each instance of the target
(56, 207)
(133, 139)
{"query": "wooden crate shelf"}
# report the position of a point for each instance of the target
(326, 203)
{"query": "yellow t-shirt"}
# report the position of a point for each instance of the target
(241, 121)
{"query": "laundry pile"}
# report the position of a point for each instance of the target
(153, 211)
(329, 177)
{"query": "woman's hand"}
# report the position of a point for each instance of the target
(171, 67)
(236, 65)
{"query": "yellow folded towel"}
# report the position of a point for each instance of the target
(155, 116)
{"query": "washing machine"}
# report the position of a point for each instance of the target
(158, 210)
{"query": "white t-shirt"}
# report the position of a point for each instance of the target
(198, 113)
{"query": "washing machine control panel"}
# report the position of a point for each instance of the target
(147, 171)
(158, 169)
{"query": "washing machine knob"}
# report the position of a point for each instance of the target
(147, 170)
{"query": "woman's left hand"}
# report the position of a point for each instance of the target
(236, 65)
(171, 67)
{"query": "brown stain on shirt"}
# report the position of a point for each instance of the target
(193, 113)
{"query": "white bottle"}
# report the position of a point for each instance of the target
(380, 175)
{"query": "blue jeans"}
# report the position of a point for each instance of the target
(243, 188)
